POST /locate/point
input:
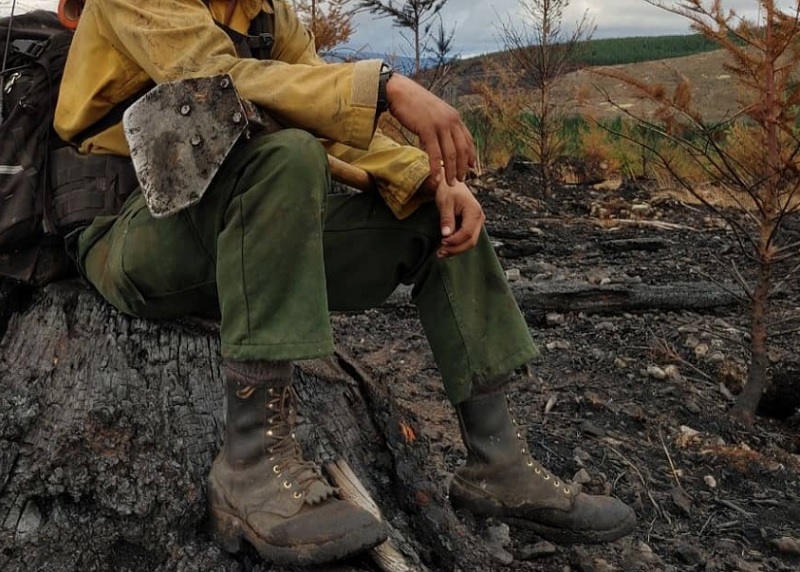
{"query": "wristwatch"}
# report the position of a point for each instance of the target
(383, 79)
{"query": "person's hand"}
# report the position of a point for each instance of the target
(461, 218)
(442, 134)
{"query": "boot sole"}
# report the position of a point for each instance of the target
(463, 498)
(229, 531)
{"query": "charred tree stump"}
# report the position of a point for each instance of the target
(109, 425)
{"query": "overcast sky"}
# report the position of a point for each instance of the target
(477, 22)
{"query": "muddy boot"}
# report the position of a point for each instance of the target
(261, 490)
(501, 479)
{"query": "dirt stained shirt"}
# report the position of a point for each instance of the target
(120, 46)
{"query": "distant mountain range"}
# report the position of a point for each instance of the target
(404, 64)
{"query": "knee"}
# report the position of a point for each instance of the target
(300, 151)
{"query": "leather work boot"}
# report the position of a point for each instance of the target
(261, 490)
(501, 479)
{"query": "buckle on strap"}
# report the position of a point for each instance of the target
(30, 48)
(261, 42)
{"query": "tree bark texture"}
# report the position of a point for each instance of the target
(109, 425)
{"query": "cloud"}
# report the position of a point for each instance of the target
(477, 23)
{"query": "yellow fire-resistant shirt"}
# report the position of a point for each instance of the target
(122, 45)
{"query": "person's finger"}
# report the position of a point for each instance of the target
(468, 233)
(462, 154)
(472, 162)
(447, 215)
(450, 156)
(429, 142)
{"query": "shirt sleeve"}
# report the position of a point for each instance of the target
(399, 171)
(176, 39)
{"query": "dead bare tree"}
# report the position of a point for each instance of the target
(413, 15)
(331, 21)
(752, 156)
(544, 52)
(441, 75)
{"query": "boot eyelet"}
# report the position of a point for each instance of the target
(546, 477)
(297, 495)
(287, 485)
(524, 452)
(556, 483)
(269, 433)
(566, 491)
(530, 463)
(276, 469)
(537, 470)
(519, 436)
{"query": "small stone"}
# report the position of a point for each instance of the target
(639, 557)
(605, 326)
(672, 372)
(692, 407)
(787, 545)
(538, 550)
(710, 481)
(605, 281)
(591, 429)
(582, 477)
(501, 555)
(656, 372)
(681, 500)
(597, 354)
(580, 456)
(555, 319)
(701, 350)
(558, 345)
(498, 533)
(620, 363)
(716, 357)
(691, 342)
(513, 274)
(688, 554)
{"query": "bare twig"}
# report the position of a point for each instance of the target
(669, 459)
(659, 511)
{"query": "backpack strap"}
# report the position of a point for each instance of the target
(111, 118)
(259, 40)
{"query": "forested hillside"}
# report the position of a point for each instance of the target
(615, 51)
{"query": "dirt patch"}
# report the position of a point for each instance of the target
(631, 403)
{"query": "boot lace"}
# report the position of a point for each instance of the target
(285, 451)
(537, 468)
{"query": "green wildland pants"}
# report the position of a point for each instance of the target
(272, 252)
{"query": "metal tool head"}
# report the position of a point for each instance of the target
(179, 134)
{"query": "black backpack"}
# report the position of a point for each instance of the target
(38, 204)
(34, 50)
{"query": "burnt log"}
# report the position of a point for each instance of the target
(109, 425)
(574, 296)
(614, 298)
